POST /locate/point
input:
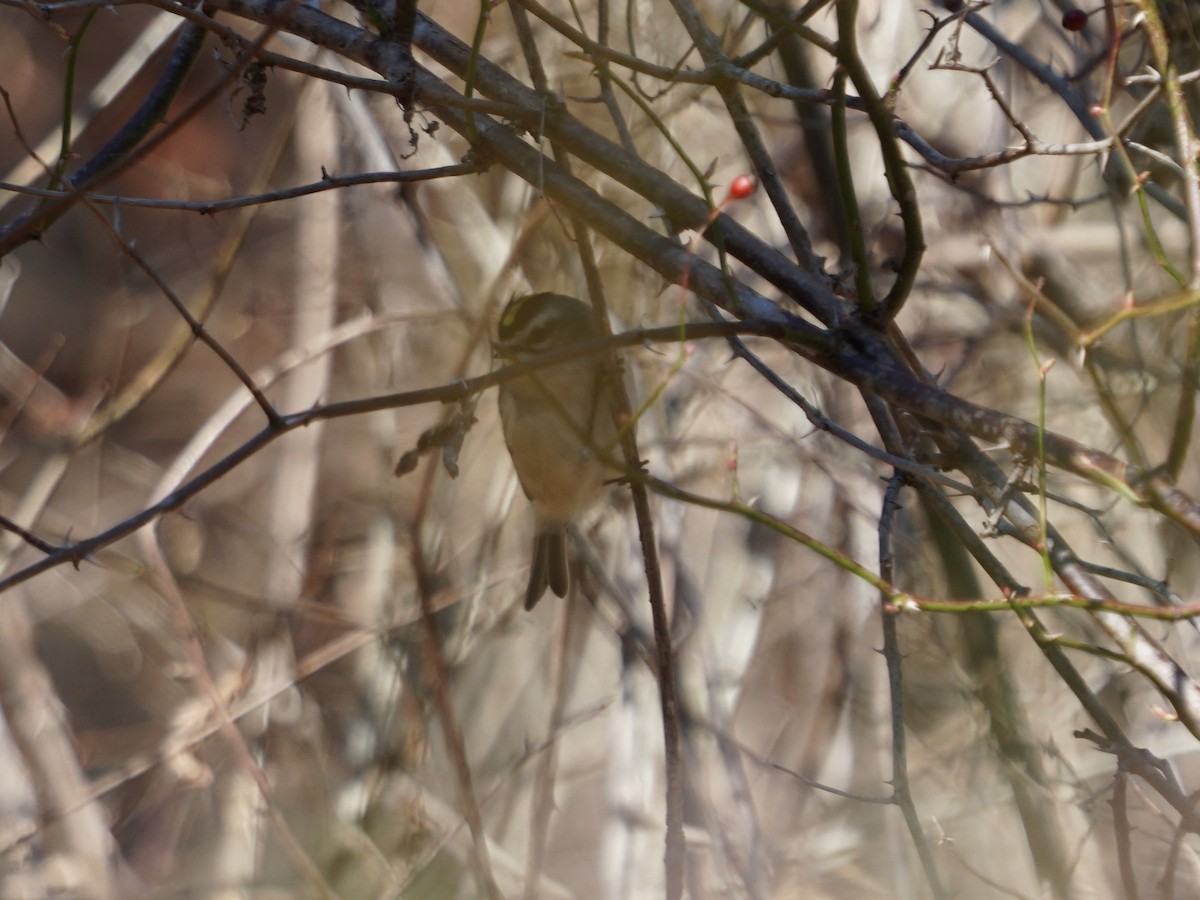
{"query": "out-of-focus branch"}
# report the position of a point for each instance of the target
(31, 225)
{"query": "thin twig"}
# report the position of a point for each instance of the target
(901, 788)
(211, 207)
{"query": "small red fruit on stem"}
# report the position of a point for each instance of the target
(741, 187)
(1074, 19)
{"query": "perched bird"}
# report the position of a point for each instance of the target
(558, 426)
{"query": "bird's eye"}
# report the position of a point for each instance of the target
(538, 335)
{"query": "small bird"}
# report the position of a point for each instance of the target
(558, 426)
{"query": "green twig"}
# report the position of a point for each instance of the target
(845, 174)
(64, 150)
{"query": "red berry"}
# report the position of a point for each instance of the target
(741, 187)
(1074, 19)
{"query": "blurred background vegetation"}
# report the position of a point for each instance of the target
(280, 669)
